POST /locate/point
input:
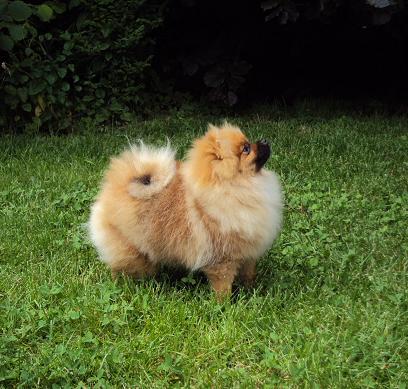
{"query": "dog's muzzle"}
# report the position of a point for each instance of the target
(264, 151)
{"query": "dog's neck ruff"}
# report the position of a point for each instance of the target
(246, 205)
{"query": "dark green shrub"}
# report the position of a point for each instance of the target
(81, 59)
(113, 47)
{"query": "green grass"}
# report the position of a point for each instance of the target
(331, 305)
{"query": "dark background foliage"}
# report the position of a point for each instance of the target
(244, 51)
(107, 60)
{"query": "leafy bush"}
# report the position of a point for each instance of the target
(65, 61)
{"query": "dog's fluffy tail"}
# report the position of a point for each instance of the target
(142, 170)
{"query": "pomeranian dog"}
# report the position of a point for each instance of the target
(217, 212)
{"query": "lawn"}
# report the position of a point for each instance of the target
(330, 308)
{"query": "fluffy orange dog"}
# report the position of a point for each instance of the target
(218, 211)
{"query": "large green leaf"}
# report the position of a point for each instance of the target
(22, 93)
(51, 78)
(19, 10)
(17, 32)
(45, 12)
(62, 72)
(58, 8)
(6, 43)
(36, 86)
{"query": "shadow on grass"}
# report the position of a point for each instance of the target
(287, 282)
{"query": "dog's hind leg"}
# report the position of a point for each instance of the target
(119, 254)
(135, 265)
(247, 273)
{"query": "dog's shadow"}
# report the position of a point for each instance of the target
(269, 282)
(179, 279)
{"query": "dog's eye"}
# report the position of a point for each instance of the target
(247, 148)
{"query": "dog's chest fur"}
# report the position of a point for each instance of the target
(241, 223)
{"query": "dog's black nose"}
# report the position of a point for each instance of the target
(263, 153)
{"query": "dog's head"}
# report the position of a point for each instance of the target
(225, 154)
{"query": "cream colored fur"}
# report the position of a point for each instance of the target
(157, 162)
(251, 208)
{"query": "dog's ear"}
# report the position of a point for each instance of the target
(212, 140)
(219, 145)
(224, 164)
(211, 157)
